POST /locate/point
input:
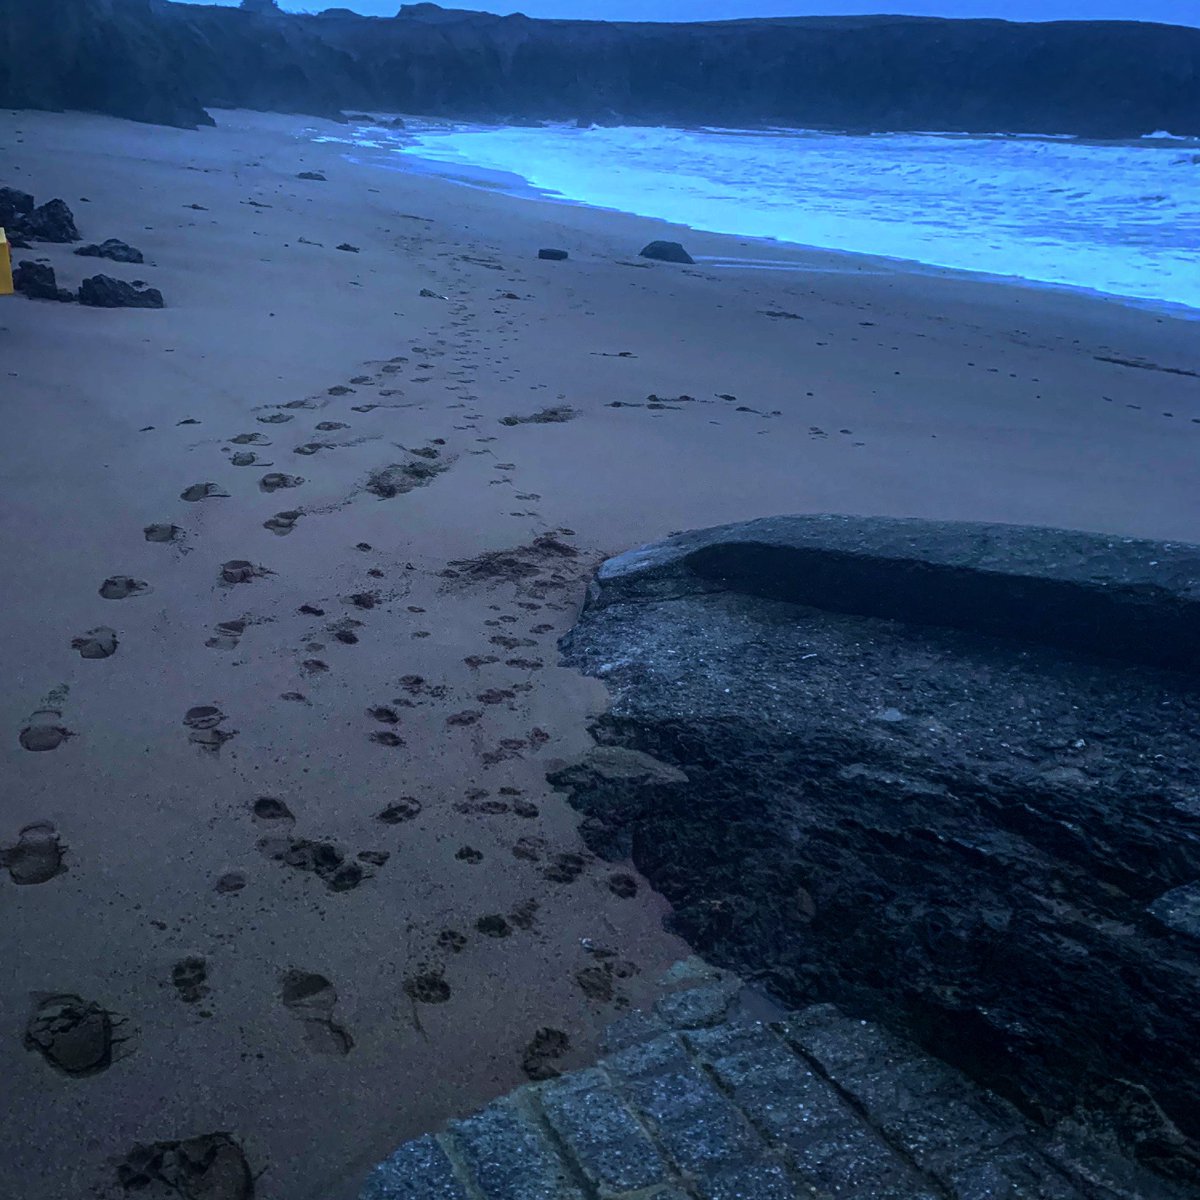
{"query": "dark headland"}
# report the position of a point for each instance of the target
(169, 63)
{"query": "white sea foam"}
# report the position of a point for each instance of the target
(1120, 218)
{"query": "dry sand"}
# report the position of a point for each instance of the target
(882, 391)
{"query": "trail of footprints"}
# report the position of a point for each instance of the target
(77, 1036)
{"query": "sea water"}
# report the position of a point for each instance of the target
(1119, 218)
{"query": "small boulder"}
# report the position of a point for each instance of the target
(51, 222)
(553, 255)
(315, 175)
(37, 281)
(102, 291)
(15, 207)
(671, 252)
(112, 248)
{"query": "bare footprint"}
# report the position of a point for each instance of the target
(274, 480)
(212, 1166)
(202, 721)
(311, 998)
(75, 1036)
(202, 491)
(36, 856)
(45, 731)
(190, 978)
(100, 642)
(545, 1046)
(121, 587)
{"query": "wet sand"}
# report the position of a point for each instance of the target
(293, 832)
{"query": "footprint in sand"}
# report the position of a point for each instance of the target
(244, 458)
(230, 882)
(623, 885)
(202, 491)
(282, 523)
(546, 1046)
(311, 998)
(452, 940)
(250, 439)
(36, 856)
(405, 809)
(121, 587)
(75, 1036)
(100, 642)
(202, 721)
(323, 859)
(274, 480)
(240, 570)
(428, 986)
(45, 730)
(494, 926)
(227, 636)
(162, 533)
(212, 1167)
(276, 418)
(190, 978)
(330, 426)
(272, 809)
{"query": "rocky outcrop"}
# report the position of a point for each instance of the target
(943, 775)
(671, 252)
(102, 291)
(113, 249)
(158, 61)
(37, 281)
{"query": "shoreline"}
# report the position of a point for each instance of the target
(510, 183)
(775, 392)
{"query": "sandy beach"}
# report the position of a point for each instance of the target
(295, 835)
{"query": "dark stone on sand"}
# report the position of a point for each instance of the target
(671, 252)
(15, 207)
(50, 222)
(102, 291)
(315, 176)
(553, 255)
(112, 248)
(940, 774)
(37, 281)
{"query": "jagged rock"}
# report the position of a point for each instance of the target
(37, 281)
(15, 207)
(51, 222)
(102, 291)
(112, 248)
(553, 255)
(944, 775)
(671, 252)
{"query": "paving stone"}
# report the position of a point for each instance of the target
(758, 1181)
(697, 1007)
(509, 1157)
(664, 1053)
(697, 1127)
(631, 1030)
(734, 1037)
(419, 1170)
(607, 1141)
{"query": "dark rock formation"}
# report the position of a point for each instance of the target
(553, 255)
(15, 207)
(51, 222)
(946, 776)
(671, 252)
(37, 281)
(102, 291)
(158, 61)
(114, 249)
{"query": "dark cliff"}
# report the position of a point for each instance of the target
(154, 60)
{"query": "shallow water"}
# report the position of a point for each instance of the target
(1119, 218)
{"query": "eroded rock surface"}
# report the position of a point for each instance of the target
(979, 825)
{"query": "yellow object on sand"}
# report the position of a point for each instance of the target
(6, 287)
